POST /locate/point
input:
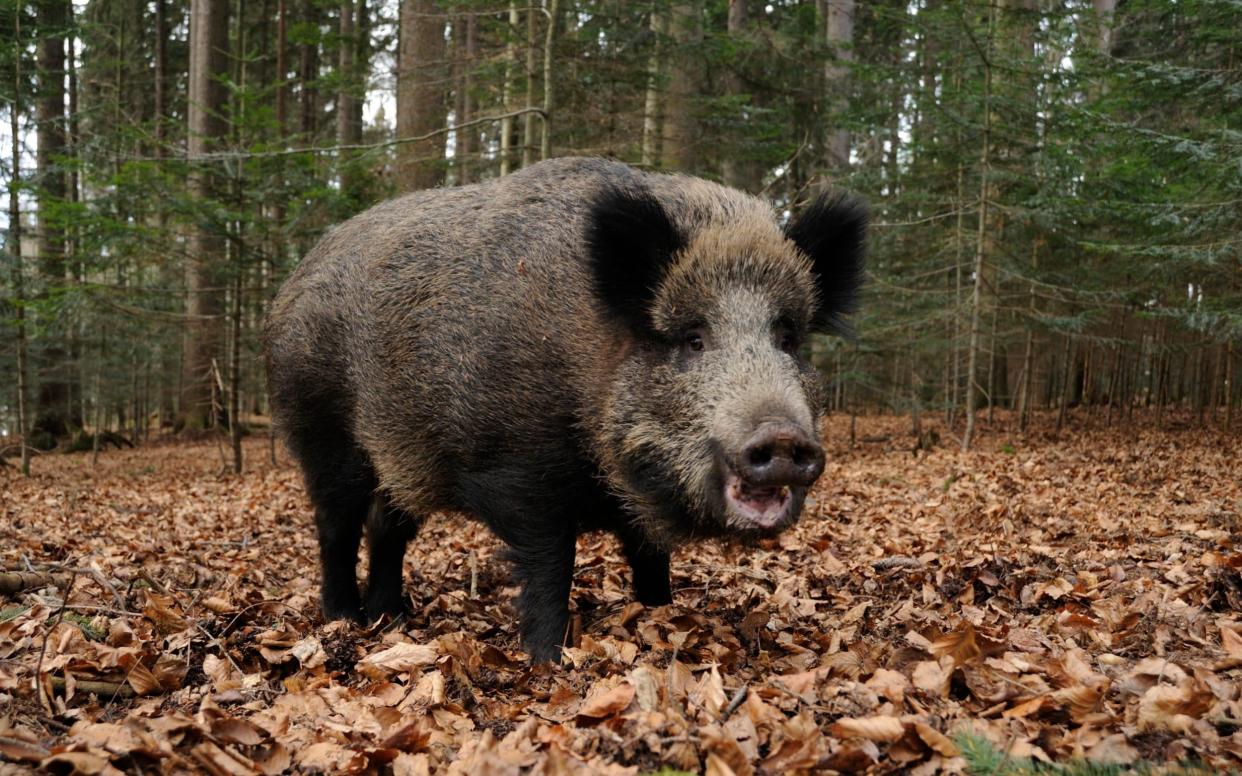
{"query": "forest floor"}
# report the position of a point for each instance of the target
(1071, 596)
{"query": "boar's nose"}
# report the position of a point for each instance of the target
(780, 453)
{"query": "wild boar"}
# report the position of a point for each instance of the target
(578, 346)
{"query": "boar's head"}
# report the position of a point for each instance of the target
(711, 423)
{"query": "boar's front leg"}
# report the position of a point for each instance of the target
(389, 530)
(649, 565)
(339, 521)
(544, 566)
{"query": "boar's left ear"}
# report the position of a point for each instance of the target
(631, 240)
(832, 232)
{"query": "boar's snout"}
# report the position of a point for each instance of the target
(769, 477)
(780, 454)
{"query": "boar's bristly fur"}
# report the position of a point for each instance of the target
(577, 346)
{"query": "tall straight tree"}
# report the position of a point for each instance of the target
(653, 102)
(839, 32)
(463, 62)
(736, 169)
(53, 413)
(206, 243)
(685, 82)
(14, 245)
(421, 95)
(348, 127)
(308, 71)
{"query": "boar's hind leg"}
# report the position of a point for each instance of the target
(649, 564)
(340, 530)
(389, 530)
(341, 486)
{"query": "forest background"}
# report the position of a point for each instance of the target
(1056, 187)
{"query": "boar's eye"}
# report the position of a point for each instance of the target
(694, 343)
(789, 342)
(787, 338)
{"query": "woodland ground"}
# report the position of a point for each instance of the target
(1071, 596)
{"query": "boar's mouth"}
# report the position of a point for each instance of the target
(764, 508)
(750, 510)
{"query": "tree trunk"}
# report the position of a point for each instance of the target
(528, 121)
(308, 77)
(840, 39)
(549, 93)
(680, 141)
(420, 95)
(653, 102)
(347, 131)
(73, 233)
(161, 76)
(53, 18)
(736, 169)
(169, 358)
(959, 242)
(458, 70)
(507, 88)
(1104, 11)
(1229, 386)
(282, 69)
(53, 411)
(976, 299)
(14, 240)
(1067, 379)
(992, 358)
(205, 245)
(1028, 363)
(362, 63)
(235, 359)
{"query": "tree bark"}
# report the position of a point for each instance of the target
(53, 411)
(308, 78)
(420, 95)
(737, 169)
(465, 45)
(840, 39)
(1067, 379)
(976, 299)
(528, 121)
(506, 91)
(161, 76)
(14, 240)
(1105, 11)
(1028, 362)
(680, 129)
(1229, 386)
(653, 102)
(205, 245)
(282, 69)
(458, 68)
(549, 93)
(347, 131)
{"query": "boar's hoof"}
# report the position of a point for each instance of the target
(333, 612)
(386, 602)
(544, 653)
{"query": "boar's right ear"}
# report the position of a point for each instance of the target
(832, 232)
(631, 241)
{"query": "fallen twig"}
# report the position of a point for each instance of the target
(735, 702)
(897, 562)
(95, 687)
(14, 582)
(45, 701)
